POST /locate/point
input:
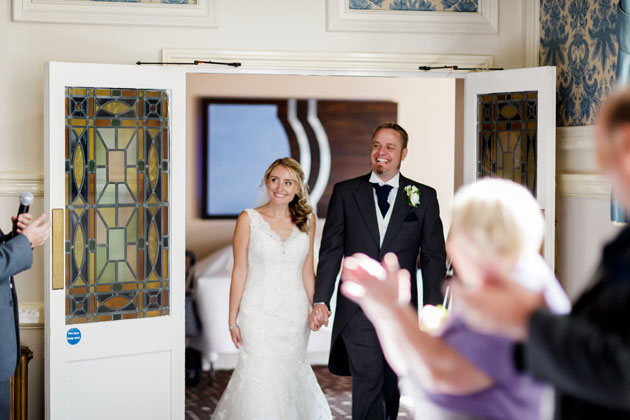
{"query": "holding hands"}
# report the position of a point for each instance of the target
(319, 316)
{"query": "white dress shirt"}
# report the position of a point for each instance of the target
(383, 221)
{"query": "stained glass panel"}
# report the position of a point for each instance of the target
(117, 244)
(507, 142)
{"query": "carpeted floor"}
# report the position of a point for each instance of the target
(202, 399)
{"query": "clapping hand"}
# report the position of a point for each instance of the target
(36, 232)
(319, 317)
(377, 288)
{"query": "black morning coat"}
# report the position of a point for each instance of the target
(352, 226)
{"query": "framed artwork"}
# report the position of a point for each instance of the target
(421, 16)
(118, 12)
(242, 137)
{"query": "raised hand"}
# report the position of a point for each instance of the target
(319, 317)
(37, 232)
(237, 339)
(377, 288)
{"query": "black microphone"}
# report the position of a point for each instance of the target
(26, 199)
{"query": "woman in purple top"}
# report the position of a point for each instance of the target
(464, 374)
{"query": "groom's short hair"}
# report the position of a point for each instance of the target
(404, 137)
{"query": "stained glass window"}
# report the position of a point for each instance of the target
(117, 175)
(507, 142)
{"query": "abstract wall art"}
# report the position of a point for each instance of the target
(241, 137)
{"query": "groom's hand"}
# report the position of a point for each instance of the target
(319, 316)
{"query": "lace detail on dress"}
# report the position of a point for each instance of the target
(272, 379)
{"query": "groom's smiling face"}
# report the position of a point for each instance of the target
(387, 153)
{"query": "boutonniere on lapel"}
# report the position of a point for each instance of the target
(413, 195)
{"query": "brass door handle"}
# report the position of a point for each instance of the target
(57, 249)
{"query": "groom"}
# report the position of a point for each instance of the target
(376, 214)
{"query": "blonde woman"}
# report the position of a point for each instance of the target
(270, 299)
(464, 374)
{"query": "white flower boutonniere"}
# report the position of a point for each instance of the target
(413, 195)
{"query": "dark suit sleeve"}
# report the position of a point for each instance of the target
(579, 359)
(331, 250)
(15, 256)
(432, 252)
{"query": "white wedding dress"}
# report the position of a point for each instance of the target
(272, 379)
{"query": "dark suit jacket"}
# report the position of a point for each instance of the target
(586, 355)
(352, 226)
(15, 256)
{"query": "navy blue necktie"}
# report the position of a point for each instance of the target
(382, 193)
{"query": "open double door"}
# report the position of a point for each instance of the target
(114, 188)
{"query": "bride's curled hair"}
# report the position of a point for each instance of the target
(299, 208)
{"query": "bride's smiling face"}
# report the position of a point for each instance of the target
(281, 186)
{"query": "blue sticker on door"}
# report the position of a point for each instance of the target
(73, 336)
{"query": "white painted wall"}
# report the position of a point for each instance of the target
(281, 25)
(582, 209)
(583, 229)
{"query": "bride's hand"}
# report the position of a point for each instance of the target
(236, 336)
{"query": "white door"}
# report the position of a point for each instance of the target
(114, 271)
(510, 132)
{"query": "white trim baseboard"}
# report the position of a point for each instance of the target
(12, 183)
(339, 61)
(203, 14)
(485, 21)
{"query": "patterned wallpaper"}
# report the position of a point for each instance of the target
(417, 5)
(579, 37)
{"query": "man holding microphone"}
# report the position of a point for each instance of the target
(16, 255)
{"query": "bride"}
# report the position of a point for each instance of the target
(270, 300)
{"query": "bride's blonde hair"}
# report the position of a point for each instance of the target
(299, 208)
